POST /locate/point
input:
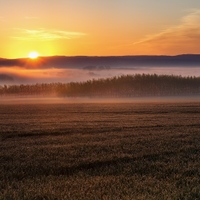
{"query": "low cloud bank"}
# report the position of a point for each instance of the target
(17, 76)
(82, 68)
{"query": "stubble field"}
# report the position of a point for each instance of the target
(100, 151)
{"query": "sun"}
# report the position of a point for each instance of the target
(33, 55)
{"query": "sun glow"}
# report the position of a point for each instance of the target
(33, 55)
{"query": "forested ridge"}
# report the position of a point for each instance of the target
(122, 86)
(112, 61)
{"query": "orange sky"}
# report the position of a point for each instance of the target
(99, 27)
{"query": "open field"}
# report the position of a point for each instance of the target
(100, 151)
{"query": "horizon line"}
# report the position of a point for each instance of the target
(104, 56)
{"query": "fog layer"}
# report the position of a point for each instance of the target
(26, 76)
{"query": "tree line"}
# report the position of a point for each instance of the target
(122, 86)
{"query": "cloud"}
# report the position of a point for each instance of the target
(182, 38)
(44, 34)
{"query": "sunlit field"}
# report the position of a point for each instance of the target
(108, 151)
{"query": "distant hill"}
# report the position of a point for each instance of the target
(105, 61)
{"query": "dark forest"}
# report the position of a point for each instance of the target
(122, 86)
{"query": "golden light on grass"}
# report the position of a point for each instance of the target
(33, 55)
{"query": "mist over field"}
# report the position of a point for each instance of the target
(76, 69)
(76, 75)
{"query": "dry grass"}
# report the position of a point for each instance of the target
(100, 151)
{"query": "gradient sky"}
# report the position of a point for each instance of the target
(99, 27)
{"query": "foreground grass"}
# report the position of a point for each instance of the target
(100, 151)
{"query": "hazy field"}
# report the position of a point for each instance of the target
(100, 151)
